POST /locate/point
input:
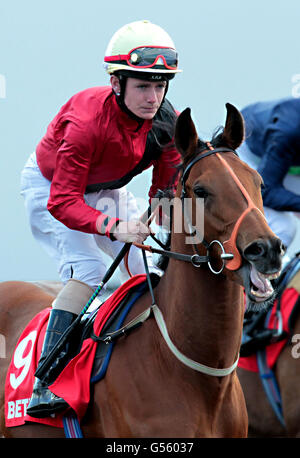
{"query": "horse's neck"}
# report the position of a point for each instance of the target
(203, 312)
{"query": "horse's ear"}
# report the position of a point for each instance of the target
(234, 131)
(186, 137)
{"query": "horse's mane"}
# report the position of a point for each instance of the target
(216, 142)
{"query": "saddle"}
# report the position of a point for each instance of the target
(256, 335)
(74, 382)
(113, 330)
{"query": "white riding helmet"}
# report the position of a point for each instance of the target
(142, 47)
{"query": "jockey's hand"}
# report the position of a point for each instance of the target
(133, 231)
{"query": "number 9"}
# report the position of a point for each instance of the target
(20, 361)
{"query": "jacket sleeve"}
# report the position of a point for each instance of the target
(165, 171)
(66, 202)
(281, 146)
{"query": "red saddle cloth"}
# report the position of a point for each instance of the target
(73, 384)
(20, 376)
(288, 301)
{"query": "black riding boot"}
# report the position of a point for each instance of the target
(43, 403)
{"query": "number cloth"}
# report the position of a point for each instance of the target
(20, 375)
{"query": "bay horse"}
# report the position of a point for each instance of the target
(263, 421)
(147, 391)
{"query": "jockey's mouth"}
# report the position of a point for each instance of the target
(259, 287)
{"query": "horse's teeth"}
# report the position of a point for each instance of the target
(256, 293)
(272, 276)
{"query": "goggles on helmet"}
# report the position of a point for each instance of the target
(147, 57)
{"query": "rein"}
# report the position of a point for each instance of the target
(207, 370)
(155, 310)
(234, 261)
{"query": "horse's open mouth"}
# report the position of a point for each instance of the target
(258, 286)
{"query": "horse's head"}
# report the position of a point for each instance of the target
(230, 192)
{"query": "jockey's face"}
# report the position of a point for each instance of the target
(143, 97)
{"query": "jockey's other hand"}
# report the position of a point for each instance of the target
(133, 231)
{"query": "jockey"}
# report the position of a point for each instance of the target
(272, 146)
(74, 184)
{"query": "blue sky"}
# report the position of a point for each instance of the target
(233, 51)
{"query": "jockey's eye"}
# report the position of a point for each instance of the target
(199, 191)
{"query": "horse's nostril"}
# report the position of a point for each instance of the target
(255, 250)
(283, 249)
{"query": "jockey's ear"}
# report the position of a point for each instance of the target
(186, 138)
(234, 131)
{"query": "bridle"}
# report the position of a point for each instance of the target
(230, 255)
(193, 230)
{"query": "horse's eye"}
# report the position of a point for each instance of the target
(200, 192)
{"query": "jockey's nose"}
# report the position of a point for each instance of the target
(263, 252)
(151, 95)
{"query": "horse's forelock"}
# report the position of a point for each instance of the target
(216, 141)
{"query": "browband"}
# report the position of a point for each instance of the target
(187, 170)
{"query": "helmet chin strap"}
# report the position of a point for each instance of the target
(121, 102)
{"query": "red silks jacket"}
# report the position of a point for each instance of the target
(91, 141)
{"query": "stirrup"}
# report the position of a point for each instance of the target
(43, 402)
